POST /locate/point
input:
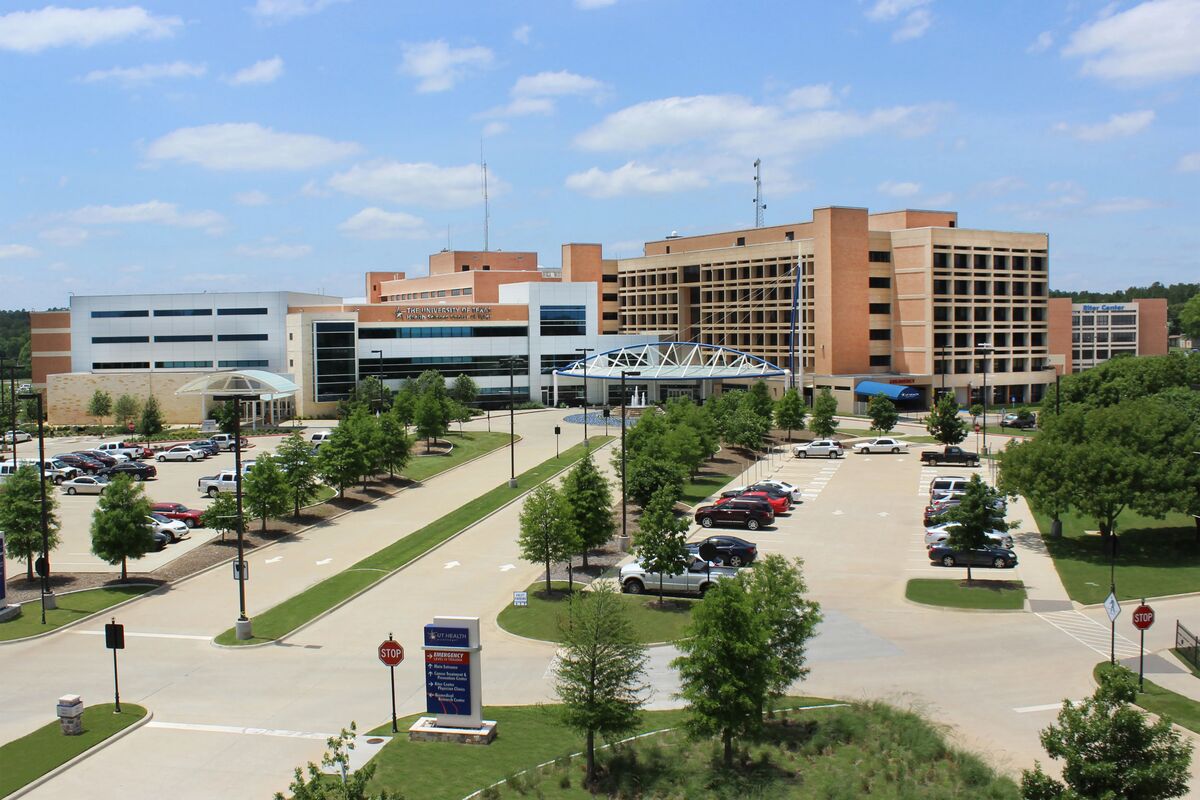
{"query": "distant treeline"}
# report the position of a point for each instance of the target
(1176, 295)
(14, 339)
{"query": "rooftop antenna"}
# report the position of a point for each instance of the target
(759, 205)
(483, 166)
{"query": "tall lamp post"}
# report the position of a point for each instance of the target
(624, 507)
(1055, 523)
(583, 351)
(511, 363)
(43, 566)
(380, 376)
(943, 352)
(984, 349)
(242, 628)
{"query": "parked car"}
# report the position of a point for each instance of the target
(131, 452)
(78, 462)
(751, 514)
(188, 516)
(16, 437)
(209, 447)
(319, 438)
(797, 495)
(1023, 419)
(180, 452)
(819, 447)
(135, 470)
(161, 539)
(731, 551)
(935, 510)
(882, 445)
(998, 557)
(944, 484)
(696, 578)
(225, 441)
(85, 484)
(171, 527)
(211, 485)
(779, 503)
(106, 459)
(939, 534)
(950, 455)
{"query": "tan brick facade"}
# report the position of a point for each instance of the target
(71, 392)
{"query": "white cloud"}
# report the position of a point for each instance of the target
(266, 71)
(535, 94)
(314, 189)
(1189, 162)
(147, 73)
(999, 186)
(816, 96)
(914, 16)
(1153, 41)
(284, 10)
(1043, 42)
(438, 66)
(943, 200)
(1122, 205)
(634, 178)
(1116, 126)
(419, 184)
(251, 198)
(279, 251)
(65, 236)
(247, 146)
(375, 223)
(495, 128)
(898, 188)
(914, 26)
(153, 212)
(16, 251)
(34, 31)
(521, 33)
(588, 5)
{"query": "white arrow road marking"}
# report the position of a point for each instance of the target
(184, 726)
(507, 567)
(324, 561)
(451, 565)
(1034, 709)
(274, 560)
(883, 513)
(838, 513)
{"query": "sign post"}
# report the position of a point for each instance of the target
(557, 431)
(1143, 618)
(114, 639)
(1113, 608)
(391, 654)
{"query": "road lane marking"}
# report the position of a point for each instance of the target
(185, 726)
(274, 560)
(507, 567)
(190, 636)
(324, 561)
(1090, 634)
(451, 565)
(1035, 709)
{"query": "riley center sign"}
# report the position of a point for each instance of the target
(442, 313)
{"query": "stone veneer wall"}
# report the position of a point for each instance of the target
(71, 392)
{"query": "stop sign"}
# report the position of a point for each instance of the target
(391, 653)
(1143, 617)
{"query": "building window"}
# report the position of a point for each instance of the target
(881, 361)
(611, 315)
(610, 298)
(185, 338)
(183, 365)
(241, 337)
(961, 261)
(455, 292)
(741, 241)
(941, 261)
(981, 261)
(441, 293)
(981, 313)
(183, 312)
(468, 290)
(474, 366)
(1037, 263)
(120, 339)
(441, 331)
(879, 282)
(941, 287)
(879, 308)
(941, 313)
(880, 334)
(563, 321)
(335, 360)
(112, 314)
(1123, 319)
(120, 365)
(239, 312)
(879, 257)
(251, 362)
(789, 236)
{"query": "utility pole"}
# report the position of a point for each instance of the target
(759, 205)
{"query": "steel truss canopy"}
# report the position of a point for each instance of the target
(249, 383)
(673, 361)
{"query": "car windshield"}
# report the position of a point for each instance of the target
(159, 518)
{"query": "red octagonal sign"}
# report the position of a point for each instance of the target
(391, 653)
(1143, 617)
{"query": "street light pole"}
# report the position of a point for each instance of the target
(45, 560)
(380, 376)
(983, 348)
(583, 351)
(242, 627)
(624, 470)
(512, 429)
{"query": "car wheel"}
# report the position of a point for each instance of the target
(190, 458)
(999, 563)
(895, 451)
(137, 476)
(162, 459)
(803, 454)
(212, 491)
(704, 589)
(189, 522)
(735, 560)
(58, 479)
(948, 561)
(633, 587)
(752, 524)
(706, 522)
(71, 490)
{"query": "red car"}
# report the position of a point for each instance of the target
(143, 451)
(779, 504)
(188, 516)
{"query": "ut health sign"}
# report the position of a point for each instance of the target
(452, 672)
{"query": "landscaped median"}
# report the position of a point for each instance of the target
(987, 595)
(279, 621)
(72, 607)
(546, 615)
(24, 760)
(1183, 711)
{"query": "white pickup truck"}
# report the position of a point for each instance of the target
(215, 484)
(119, 449)
(695, 579)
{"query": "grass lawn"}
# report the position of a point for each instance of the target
(32, 756)
(324, 493)
(987, 594)
(1181, 710)
(856, 432)
(1155, 557)
(545, 615)
(526, 736)
(1178, 653)
(466, 446)
(284, 618)
(70, 608)
(705, 484)
(919, 439)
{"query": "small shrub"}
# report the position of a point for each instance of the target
(491, 793)
(564, 781)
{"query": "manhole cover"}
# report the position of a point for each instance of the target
(374, 740)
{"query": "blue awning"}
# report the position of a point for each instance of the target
(889, 390)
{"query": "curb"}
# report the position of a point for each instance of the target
(404, 566)
(93, 615)
(1022, 610)
(61, 768)
(1148, 598)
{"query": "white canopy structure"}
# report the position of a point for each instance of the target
(267, 393)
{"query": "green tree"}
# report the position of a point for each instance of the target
(976, 411)
(370, 393)
(682, 445)
(760, 401)
(746, 427)
(119, 529)
(458, 413)
(721, 407)
(297, 464)
(225, 415)
(974, 517)
(1031, 468)
(395, 445)
(547, 533)
(822, 423)
(601, 670)
(125, 409)
(313, 783)
(405, 402)
(342, 459)
(683, 412)
(724, 675)
(1189, 318)
(660, 541)
(362, 428)
(429, 415)
(151, 422)
(789, 412)
(464, 390)
(777, 591)
(21, 516)
(944, 422)
(1110, 749)
(265, 491)
(648, 473)
(221, 514)
(590, 505)
(100, 406)
(883, 413)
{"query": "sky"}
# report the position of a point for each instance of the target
(296, 144)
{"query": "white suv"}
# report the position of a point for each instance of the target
(821, 447)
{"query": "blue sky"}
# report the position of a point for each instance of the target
(296, 144)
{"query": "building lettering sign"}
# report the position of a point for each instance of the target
(902, 380)
(1105, 307)
(438, 636)
(448, 682)
(438, 313)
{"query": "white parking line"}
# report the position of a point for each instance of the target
(1035, 709)
(184, 726)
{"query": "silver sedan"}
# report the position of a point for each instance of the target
(180, 452)
(85, 484)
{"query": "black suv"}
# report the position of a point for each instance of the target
(751, 514)
(139, 472)
(725, 550)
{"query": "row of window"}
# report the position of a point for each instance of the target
(997, 339)
(237, 363)
(221, 337)
(1103, 355)
(1124, 337)
(942, 288)
(451, 331)
(984, 261)
(473, 366)
(563, 321)
(986, 313)
(966, 366)
(433, 293)
(179, 312)
(1104, 320)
